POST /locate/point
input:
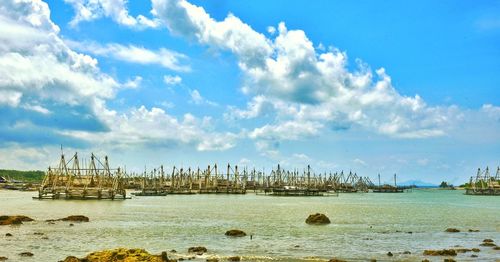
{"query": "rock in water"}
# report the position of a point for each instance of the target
(26, 254)
(78, 218)
(444, 252)
(452, 230)
(14, 220)
(234, 258)
(317, 219)
(3, 258)
(197, 250)
(235, 233)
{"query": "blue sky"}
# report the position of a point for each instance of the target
(375, 87)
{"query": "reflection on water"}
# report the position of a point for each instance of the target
(363, 226)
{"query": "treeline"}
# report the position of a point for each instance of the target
(26, 176)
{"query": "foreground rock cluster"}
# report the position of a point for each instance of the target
(121, 255)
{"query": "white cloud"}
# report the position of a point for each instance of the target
(185, 19)
(197, 99)
(10, 97)
(45, 71)
(133, 83)
(88, 10)
(172, 80)
(312, 86)
(359, 162)
(128, 129)
(37, 108)
(134, 54)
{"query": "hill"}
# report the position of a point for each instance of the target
(26, 176)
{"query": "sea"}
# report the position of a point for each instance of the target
(364, 226)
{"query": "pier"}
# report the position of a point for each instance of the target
(95, 181)
(484, 184)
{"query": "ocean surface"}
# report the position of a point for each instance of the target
(364, 226)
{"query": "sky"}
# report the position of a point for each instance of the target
(373, 87)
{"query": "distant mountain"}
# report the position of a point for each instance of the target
(418, 183)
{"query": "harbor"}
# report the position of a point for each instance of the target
(359, 229)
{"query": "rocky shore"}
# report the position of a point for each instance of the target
(201, 253)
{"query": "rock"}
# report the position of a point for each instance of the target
(3, 258)
(197, 250)
(212, 259)
(77, 218)
(476, 250)
(389, 254)
(120, 255)
(45, 238)
(173, 251)
(71, 259)
(496, 248)
(409, 232)
(296, 246)
(26, 254)
(8, 235)
(71, 224)
(234, 258)
(452, 230)
(38, 233)
(449, 260)
(407, 253)
(336, 260)
(488, 240)
(317, 219)
(488, 244)
(425, 260)
(14, 220)
(473, 230)
(473, 255)
(235, 233)
(444, 252)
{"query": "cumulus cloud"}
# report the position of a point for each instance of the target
(313, 88)
(128, 129)
(172, 80)
(42, 74)
(88, 10)
(134, 54)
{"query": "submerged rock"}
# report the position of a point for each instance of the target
(26, 254)
(452, 230)
(444, 252)
(473, 230)
(336, 260)
(121, 255)
(14, 220)
(197, 250)
(317, 219)
(235, 233)
(389, 254)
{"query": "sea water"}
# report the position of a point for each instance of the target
(364, 226)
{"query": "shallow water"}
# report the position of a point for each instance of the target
(364, 226)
